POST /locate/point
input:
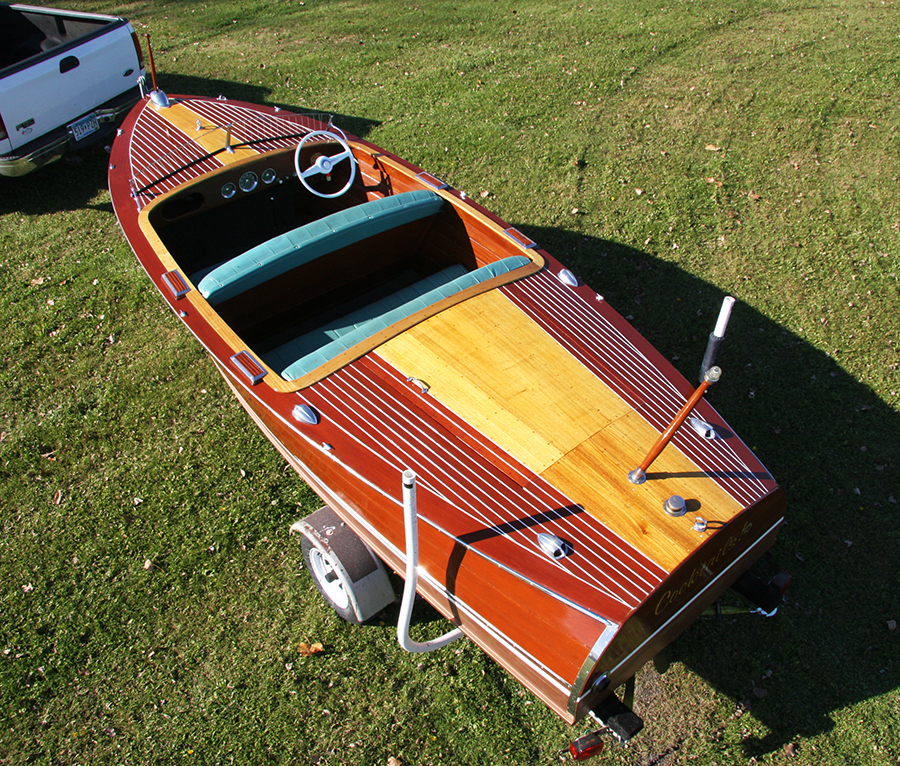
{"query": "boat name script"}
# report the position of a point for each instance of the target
(704, 570)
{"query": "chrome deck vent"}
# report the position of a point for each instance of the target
(706, 430)
(303, 413)
(553, 546)
(567, 278)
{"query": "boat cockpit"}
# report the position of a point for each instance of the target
(309, 277)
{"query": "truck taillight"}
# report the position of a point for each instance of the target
(137, 49)
(3, 133)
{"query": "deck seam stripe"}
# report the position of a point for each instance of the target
(646, 588)
(462, 492)
(660, 407)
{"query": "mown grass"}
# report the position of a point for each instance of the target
(151, 601)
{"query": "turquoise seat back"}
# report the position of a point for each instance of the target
(285, 252)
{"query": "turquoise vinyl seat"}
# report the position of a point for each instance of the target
(285, 252)
(313, 349)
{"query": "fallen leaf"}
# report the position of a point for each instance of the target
(484, 193)
(892, 624)
(754, 196)
(307, 650)
(391, 761)
(713, 148)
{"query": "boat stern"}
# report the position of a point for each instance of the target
(678, 601)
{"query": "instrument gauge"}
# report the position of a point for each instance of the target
(228, 190)
(268, 175)
(248, 181)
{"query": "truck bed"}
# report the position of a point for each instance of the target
(26, 33)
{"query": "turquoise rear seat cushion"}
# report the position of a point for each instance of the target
(286, 354)
(306, 243)
(308, 353)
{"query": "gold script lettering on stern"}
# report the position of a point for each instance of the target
(702, 572)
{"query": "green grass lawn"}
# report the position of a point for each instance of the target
(152, 603)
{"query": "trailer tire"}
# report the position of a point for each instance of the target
(325, 574)
(348, 574)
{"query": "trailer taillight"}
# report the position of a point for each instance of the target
(586, 746)
(137, 49)
(3, 133)
(781, 581)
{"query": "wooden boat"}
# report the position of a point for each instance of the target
(370, 319)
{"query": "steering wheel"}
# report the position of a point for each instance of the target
(325, 164)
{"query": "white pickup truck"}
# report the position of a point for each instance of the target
(67, 79)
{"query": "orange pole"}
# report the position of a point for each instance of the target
(152, 65)
(639, 474)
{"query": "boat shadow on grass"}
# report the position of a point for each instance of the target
(832, 444)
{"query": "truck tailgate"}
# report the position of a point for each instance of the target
(57, 90)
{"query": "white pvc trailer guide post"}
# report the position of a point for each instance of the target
(724, 316)
(410, 516)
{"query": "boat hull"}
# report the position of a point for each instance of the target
(521, 400)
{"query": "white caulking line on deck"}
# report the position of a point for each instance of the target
(440, 414)
(468, 488)
(449, 485)
(488, 510)
(674, 404)
(285, 121)
(146, 155)
(176, 160)
(544, 494)
(391, 498)
(744, 486)
(610, 339)
(247, 124)
(177, 153)
(551, 513)
(322, 488)
(600, 336)
(399, 459)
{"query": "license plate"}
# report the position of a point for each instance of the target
(85, 126)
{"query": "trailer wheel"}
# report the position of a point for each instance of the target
(350, 577)
(326, 576)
